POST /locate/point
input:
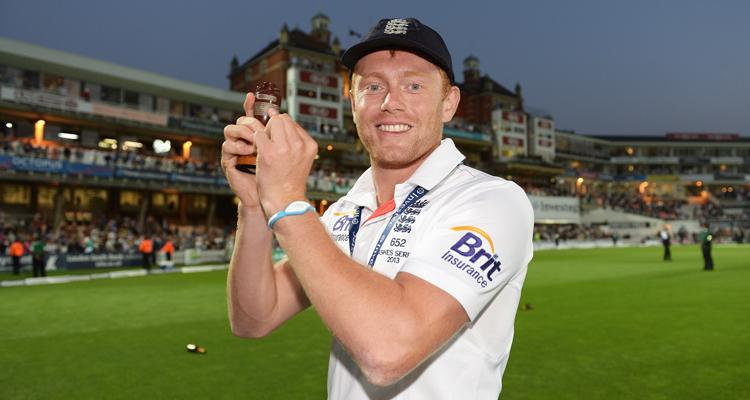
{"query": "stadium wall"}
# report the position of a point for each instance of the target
(115, 260)
(556, 209)
(637, 227)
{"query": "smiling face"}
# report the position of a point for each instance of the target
(399, 106)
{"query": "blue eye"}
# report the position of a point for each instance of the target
(372, 87)
(415, 86)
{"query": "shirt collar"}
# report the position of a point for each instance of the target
(363, 192)
(438, 165)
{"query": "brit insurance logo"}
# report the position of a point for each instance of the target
(470, 254)
(342, 222)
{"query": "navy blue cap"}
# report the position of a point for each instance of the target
(406, 34)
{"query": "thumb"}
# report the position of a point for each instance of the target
(248, 105)
(272, 112)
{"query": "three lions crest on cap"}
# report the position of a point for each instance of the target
(396, 26)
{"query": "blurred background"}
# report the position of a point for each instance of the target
(624, 122)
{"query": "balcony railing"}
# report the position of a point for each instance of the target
(65, 167)
(54, 101)
(39, 98)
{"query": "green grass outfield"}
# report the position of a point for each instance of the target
(604, 324)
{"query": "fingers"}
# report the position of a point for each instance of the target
(238, 132)
(278, 138)
(299, 137)
(285, 137)
(244, 129)
(272, 112)
(311, 145)
(227, 161)
(239, 141)
(250, 122)
(304, 141)
(281, 130)
(237, 147)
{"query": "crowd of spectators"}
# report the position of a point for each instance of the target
(634, 202)
(113, 235)
(116, 158)
(631, 202)
(330, 180)
(654, 206)
(651, 206)
(707, 211)
(322, 179)
(732, 193)
(565, 232)
(330, 132)
(552, 190)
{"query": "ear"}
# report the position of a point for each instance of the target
(450, 103)
(353, 78)
(352, 102)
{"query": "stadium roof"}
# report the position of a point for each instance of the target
(34, 57)
(482, 85)
(297, 39)
(665, 139)
(537, 112)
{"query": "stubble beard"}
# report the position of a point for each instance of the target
(409, 159)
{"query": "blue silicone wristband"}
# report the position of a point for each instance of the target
(286, 212)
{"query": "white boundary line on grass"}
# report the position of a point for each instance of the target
(49, 280)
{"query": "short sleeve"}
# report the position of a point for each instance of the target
(477, 244)
(328, 215)
(337, 220)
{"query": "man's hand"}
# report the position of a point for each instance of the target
(285, 155)
(239, 141)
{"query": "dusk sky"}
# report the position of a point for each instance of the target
(598, 67)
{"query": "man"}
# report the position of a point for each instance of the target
(739, 235)
(168, 250)
(146, 247)
(666, 241)
(418, 270)
(705, 238)
(37, 251)
(16, 251)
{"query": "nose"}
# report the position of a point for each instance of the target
(393, 101)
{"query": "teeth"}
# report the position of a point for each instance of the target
(395, 128)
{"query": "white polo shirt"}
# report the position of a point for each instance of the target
(470, 234)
